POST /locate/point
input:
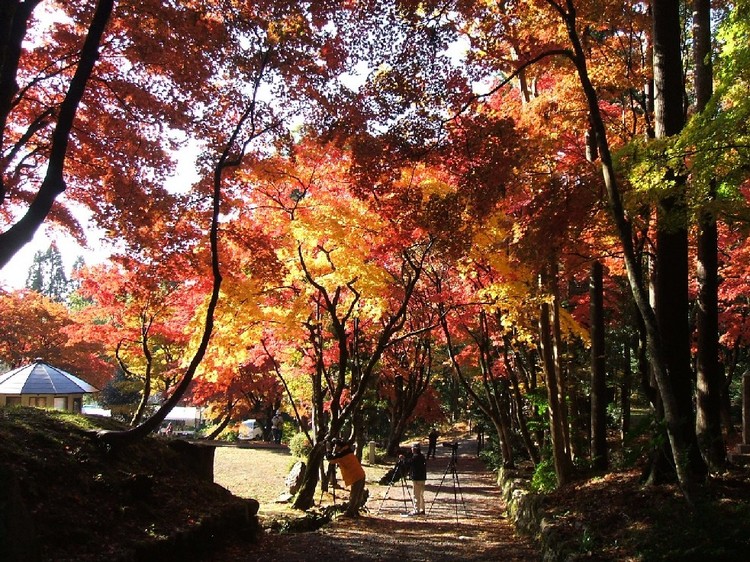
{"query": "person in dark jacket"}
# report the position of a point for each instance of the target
(351, 472)
(417, 465)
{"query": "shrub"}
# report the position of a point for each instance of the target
(299, 446)
(228, 435)
(492, 457)
(544, 479)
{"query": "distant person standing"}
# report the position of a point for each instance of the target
(417, 465)
(480, 437)
(277, 423)
(432, 438)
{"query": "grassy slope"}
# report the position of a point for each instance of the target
(67, 498)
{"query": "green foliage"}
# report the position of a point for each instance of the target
(120, 391)
(47, 275)
(716, 142)
(544, 478)
(614, 414)
(299, 446)
(538, 400)
(650, 166)
(733, 64)
(713, 148)
(491, 456)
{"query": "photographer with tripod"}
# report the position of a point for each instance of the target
(417, 465)
(457, 493)
(353, 474)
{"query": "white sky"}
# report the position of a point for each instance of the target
(13, 275)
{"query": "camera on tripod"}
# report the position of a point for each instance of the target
(400, 470)
(453, 445)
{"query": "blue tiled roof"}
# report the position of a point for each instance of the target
(42, 378)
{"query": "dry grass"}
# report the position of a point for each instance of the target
(256, 473)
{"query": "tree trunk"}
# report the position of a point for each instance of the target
(53, 184)
(416, 361)
(625, 390)
(226, 418)
(563, 466)
(672, 300)
(395, 437)
(493, 400)
(120, 438)
(708, 368)
(560, 371)
(305, 498)
(730, 367)
(599, 454)
(503, 425)
(518, 401)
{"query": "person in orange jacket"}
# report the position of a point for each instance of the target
(353, 474)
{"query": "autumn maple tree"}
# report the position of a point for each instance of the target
(340, 294)
(141, 104)
(231, 393)
(35, 326)
(140, 314)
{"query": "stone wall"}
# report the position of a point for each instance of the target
(525, 511)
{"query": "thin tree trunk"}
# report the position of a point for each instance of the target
(489, 401)
(140, 411)
(226, 418)
(726, 401)
(560, 370)
(518, 400)
(563, 465)
(395, 437)
(625, 390)
(599, 454)
(226, 160)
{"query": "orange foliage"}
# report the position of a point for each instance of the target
(35, 326)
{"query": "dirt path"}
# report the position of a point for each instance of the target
(463, 522)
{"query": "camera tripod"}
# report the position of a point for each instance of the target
(398, 474)
(330, 481)
(457, 493)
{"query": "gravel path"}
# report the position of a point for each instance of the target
(464, 521)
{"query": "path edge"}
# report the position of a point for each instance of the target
(525, 511)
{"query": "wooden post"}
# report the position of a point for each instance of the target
(741, 453)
